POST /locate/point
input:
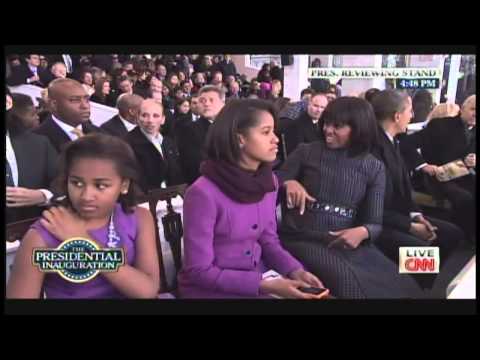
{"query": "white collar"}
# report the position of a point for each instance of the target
(34, 69)
(128, 125)
(158, 139)
(390, 137)
(66, 127)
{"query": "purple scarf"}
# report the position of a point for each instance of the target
(239, 185)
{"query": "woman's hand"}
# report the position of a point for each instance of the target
(297, 196)
(63, 223)
(348, 238)
(287, 289)
(306, 277)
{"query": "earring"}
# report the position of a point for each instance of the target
(241, 145)
(124, 192)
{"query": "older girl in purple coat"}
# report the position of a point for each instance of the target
(230, 231)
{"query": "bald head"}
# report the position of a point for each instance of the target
(129, 106)
(151, 103)
(468, 111)
(61, 87)
(69, 101)
(59, 70)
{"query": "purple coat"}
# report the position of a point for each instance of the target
(228, 245)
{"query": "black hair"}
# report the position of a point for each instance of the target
(179, 102)
(235, 118)
(422, 104)
(358, 114)
(306, 91)
(14, 123)
(370, 94)
(107, 147)
(388, 102)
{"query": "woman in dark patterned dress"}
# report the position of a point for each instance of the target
(334, 190)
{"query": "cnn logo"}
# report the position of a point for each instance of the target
(419, 260)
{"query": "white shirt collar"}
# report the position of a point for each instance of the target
(129, 126)
(390, 137)
(155, 140)
(67, 129)
(12, 160)
(33, 69)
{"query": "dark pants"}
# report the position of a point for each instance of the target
(461, 194)
(449, 238)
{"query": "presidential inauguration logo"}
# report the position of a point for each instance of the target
(78, 260)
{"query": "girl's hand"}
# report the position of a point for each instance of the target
(307, 277)
(287, 289)
(63, 223)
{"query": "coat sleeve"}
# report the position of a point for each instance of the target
(18, 76)
(409, 145)
(200, 213)
(372, 212)
(52, 162)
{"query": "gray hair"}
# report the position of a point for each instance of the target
(212, 88)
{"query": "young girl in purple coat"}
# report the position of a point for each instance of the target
(230, 230)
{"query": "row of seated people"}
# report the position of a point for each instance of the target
(107, 80)
(32, 167)
(338, 192)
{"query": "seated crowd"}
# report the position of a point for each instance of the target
(341, 168)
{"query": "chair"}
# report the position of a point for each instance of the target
(173, 230)
(16, 230)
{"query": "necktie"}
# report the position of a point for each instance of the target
(78, 132)
(158, 147)
(9, 175)
(68, 63)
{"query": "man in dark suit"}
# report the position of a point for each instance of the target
(191, 140)
(128, 111)
(70, 106)
(227, 66)
(444, 140)
(29, 73)
(403, 223)
(157, 155)
(30, 168)
(306, 129)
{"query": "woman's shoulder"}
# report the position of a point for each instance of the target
(305, 149)
(372, 163)
(203, 185)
